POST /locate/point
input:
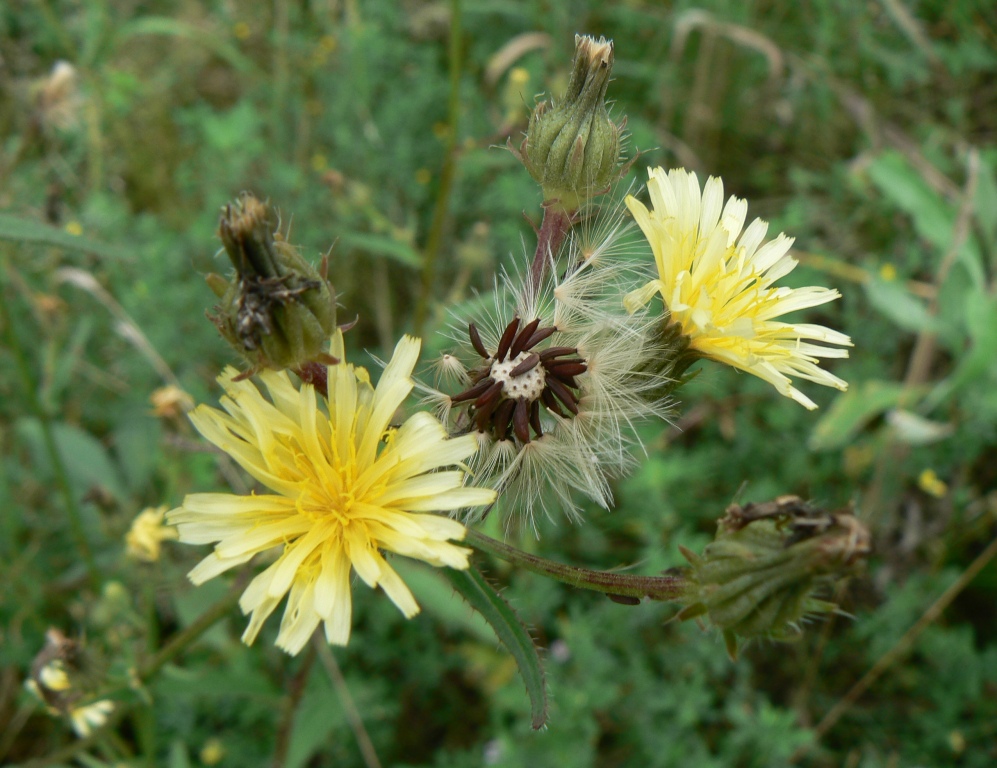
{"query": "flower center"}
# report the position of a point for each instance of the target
(528, 385)
(508, 390)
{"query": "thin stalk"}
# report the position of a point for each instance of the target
(179, 642)
(58, 466)
(553, 229)
(447, 173)
(295, 692)
(366, 746)
(613, 584)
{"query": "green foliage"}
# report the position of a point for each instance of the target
(853, 126)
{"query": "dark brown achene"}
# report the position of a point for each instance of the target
(508, 389)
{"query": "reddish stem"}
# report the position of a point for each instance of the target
(555, 226)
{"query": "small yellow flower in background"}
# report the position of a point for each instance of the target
(148, 532)
(888, 272)
(342, 493)
(241, 30)
(717, 284)
(929, 482)
(90, 716)
(74, 228)
(212, 752)
(170, 401)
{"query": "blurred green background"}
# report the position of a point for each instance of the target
(867, 130)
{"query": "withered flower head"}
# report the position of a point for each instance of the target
(277, 311)
(759, 576)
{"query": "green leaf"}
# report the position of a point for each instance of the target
(900, 183)
(852, 410)
(318, 716)
(981, 324)
(136, 445)
(481, 596)
(985, 205)
(87, 462)
(380, 245)
(21, 230)
(895, 303)
(933, 216)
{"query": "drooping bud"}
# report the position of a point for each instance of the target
(572, 148)
(759, 576)
(277, 311)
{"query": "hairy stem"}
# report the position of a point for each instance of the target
(668, 587)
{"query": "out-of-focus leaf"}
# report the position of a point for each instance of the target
(933, 217)
(136, 445)
(22, 230)
(900, 182)
(66, 363)
(178, 757)
(910, 428)
(511, 632)
(893, 301)
(319, 714)
(981, 324)
(162, 25)
(86, 460)
(852, 410)
(985, 205)
(380, 245)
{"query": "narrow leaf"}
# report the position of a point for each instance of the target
(481, 596)
(851, 411)
(381, 245)
(23, 230)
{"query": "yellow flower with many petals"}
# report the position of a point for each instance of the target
(347, 486)
(147, 534)
(718, 284)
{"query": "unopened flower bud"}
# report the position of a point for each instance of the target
(572, 148)
(759, 576)
(277, 311)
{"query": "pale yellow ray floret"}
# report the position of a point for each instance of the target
(347, 486)
(717, 283)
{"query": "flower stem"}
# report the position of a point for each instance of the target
(555, 226)
(614, 584)
(202, 624)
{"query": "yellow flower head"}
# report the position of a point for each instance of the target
(347, 486)
(144, 539)
(717, 284)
